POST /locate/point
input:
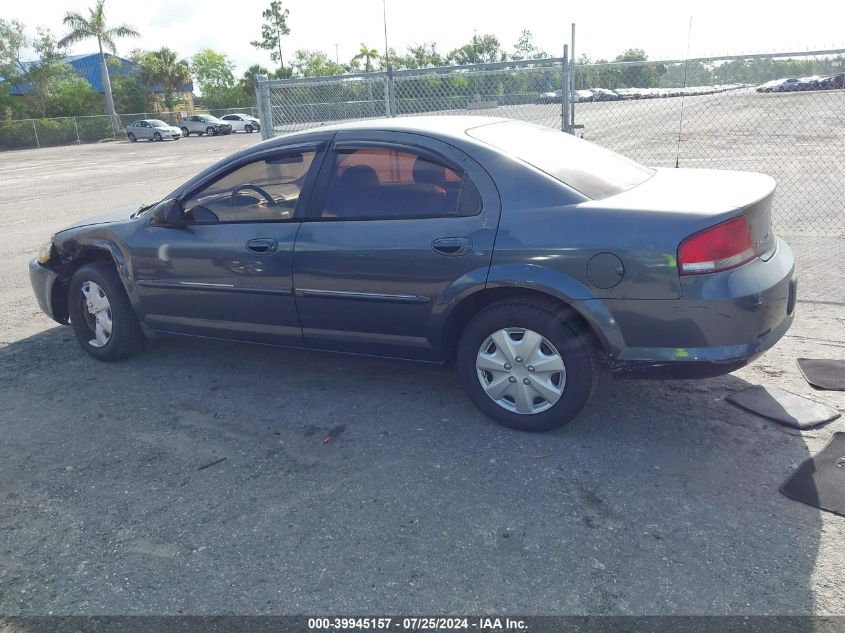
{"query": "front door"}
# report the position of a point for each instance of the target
(226, 271)
(403, 224)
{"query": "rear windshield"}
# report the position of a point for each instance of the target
(592, 170)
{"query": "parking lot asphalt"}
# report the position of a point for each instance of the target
(359, 485)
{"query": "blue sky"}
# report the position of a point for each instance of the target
(604, 28)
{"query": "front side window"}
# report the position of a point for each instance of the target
(264, 190)
(158, 123)
(371, 183)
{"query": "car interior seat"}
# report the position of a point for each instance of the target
(354, 193)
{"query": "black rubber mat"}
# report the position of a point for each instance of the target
(782, 406)
(820, 481)
(823, 373)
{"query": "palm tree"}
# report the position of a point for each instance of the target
(167, 72)
(95, 27)
(367, 54)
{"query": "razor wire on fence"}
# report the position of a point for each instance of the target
(52, 132)
(732, 112)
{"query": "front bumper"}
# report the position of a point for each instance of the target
(43, 282)
(723, 321)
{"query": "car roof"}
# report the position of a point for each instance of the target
(440, 126)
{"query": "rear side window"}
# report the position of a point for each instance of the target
(589, 169)
(376, 183)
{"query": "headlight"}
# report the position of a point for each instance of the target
(45, 252)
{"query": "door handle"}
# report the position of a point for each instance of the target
(452, 246)
(262, 246)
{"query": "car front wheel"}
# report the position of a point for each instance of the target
(100, 313)
(210, 131)
(248, 128)
(528, 365)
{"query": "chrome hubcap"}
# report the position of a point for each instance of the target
(99, 313)
(521, 370)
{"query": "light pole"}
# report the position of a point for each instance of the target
(388, 86)
(386, 49)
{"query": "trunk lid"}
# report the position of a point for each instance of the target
(695, 199)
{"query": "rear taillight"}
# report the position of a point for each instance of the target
(720, 247)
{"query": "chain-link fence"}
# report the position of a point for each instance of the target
(736, 113)
(781, 114)
(51, 132)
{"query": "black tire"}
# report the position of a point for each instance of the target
(186, 132)
(248, 128)
(157, 136)
(210, 131)
(126, 335)
(556, 324)
(132, 138)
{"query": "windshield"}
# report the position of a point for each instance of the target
(592, 170)
(156, 123)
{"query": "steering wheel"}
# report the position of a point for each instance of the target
(270, 201)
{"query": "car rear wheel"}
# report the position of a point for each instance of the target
(210, 131)
(186, 132)
(528, 365)
(157, 136)
(100, 313)
(132, 138)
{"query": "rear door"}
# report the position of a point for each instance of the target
(400, 224)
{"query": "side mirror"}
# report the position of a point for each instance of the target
(168, 213)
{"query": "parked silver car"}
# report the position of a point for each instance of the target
(152, 130)
(204, 124)
(242, 122)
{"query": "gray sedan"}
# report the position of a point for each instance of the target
(152, 130)
(530, 257)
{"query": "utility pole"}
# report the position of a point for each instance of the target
(336, 56)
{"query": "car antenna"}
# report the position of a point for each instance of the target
(683, 96)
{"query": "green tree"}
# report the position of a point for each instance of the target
(481, 49)
(307, 63)
(275, 26)
(36, 80)
(635, 75)
(367, 55)
(94, 27)
(129, 94)
(247, 80)
(212, 70)
(73, 96)
(164, 72)
(526, 49)
(423, 56)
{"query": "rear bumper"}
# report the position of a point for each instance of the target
(723, 321)
(43, 280)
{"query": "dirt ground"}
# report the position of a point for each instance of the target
(354, 485)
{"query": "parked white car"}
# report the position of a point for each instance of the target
(242, 122)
